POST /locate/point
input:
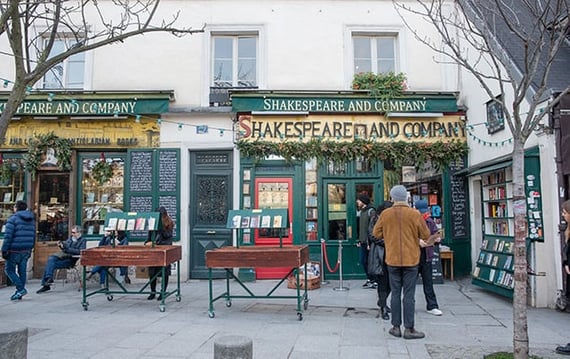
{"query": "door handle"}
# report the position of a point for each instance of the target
(349, 232)
(211, 232)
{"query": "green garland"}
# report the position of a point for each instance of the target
(5, 173)
(400, 153)
(102, 171)
(38, 145)
(383, 85)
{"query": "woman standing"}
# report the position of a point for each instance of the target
(565, 350)
(163, 236)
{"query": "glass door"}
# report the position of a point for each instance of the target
(341, 222)
(273, 193)
(53, 206)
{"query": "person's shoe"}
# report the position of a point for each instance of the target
(385, 314)
(388, 309)
(159, 297)
(367, 284)
(395, 331)
(411, 333)
(102, 285)
(127, 279)
(23, 292)
(49, 282)
(435, 311)
(564, 350)
(44, 288)
(151, 296)
(16, 296)
(374, 285)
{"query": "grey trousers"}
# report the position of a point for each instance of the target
(403, 279)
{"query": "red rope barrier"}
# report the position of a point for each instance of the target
(326, 258)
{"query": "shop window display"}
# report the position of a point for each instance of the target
(101, 194)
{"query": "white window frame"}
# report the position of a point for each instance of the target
(66, 64)
(231, 30)
(397, 32)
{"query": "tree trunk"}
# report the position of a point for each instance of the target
(520, 326)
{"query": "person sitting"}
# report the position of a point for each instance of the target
(107, 240)
(66, 258)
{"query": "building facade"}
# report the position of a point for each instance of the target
(278, 51)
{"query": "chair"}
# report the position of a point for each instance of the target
(73, 271)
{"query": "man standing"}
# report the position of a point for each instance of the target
(366, 212)
(402, 227)
(19, 240)
(64, 259)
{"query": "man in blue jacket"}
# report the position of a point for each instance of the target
(19, 240)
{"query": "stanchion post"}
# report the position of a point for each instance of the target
(323, 281)
(340, 287)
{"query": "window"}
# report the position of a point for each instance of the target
(374, 54)
(234, 61)
(68, 74)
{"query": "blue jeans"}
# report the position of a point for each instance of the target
(17, 261)
(54, 263)
(103, 273)
(403, 278)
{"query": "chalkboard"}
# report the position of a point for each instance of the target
(154, 181)
(459, 208)
(437, 271)
(141, 171)
(167, 171)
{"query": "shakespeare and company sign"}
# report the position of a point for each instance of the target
(347, 128)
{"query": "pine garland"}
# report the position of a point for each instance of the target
(38, 145)
(400, 153)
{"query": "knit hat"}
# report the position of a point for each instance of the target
(399, 193)
(421, 205)
(363, 197)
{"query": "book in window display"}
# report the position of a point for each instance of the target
(277, 220)
(265, 221)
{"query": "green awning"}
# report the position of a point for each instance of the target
(494, 167)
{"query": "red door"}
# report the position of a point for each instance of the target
(273, 193)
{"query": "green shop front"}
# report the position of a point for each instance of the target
(313, 154)
(75, 157)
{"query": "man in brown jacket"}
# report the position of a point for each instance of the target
(402, 227)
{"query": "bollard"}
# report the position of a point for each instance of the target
(340, 286)
(14, 344)
(233, 347)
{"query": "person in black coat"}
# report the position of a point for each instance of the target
(163, 236)
(19, 240)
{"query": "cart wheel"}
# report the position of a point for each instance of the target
(211, 314)
(109, 297)
(300, 316)
(305, 304)
(85, 305)
(162, 307)
(178, 298)
(228, 303)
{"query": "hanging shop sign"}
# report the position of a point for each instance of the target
(347, 128)
(318, 104)
(91, 104)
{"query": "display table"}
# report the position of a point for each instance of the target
(123, 256)
(229, 258)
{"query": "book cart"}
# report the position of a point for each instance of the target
(124, 256)
(231, 257)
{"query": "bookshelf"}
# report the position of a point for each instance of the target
(494, 267)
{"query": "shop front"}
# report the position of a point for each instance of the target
(70, 160)
(315, 153)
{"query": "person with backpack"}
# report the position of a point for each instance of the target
(383, 284)
(366, 212)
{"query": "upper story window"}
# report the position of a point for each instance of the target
(234, 61)
(68, 74)
(374, 53)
